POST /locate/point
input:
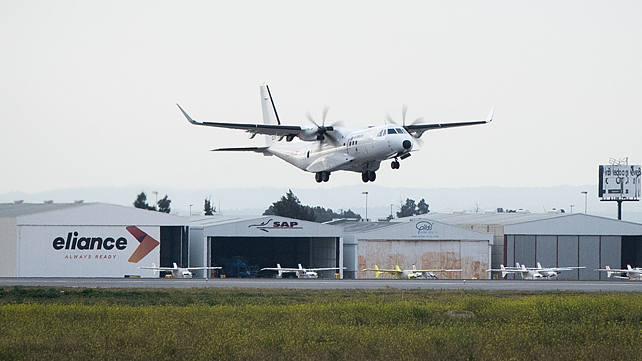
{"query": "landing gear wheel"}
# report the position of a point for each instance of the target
(364, 177)
(318, 177)
(325, 176)
(372, 176)
(394, 164)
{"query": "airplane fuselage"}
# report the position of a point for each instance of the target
(354, 149)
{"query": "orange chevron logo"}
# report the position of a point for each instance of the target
(147, 244)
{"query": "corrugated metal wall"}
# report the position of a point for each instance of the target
(564, 251)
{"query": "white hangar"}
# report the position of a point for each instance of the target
(244, 245)
(87, 240)
(554, 239)
(427, 244)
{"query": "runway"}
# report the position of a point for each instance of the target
(317, 284)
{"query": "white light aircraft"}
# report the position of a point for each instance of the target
(177, 272)
(324, 149)
(300, 272)
(532, 273)
(409, 273)
(633, 274)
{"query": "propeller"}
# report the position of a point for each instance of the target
(404, 111)
(322, 130)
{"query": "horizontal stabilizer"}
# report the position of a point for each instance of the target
(242, 149)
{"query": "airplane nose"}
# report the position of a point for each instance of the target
(406, 144)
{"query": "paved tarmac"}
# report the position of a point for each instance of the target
(515, 285)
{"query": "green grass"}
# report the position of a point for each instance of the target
(242, 324)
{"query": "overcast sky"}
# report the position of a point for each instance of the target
(88, 88)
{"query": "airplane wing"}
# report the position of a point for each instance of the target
(158, 268)
(265, 129)
(558, 269)
(325, 269)
(417, 130)
(194, 268)
(281, 269)
(391, 271)
(435, 270)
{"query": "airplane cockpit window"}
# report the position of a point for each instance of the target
(391, 131)
(400, 131)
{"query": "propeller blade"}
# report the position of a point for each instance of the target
(404, 110)
(389, 119)
(309, 117)
(325, 112)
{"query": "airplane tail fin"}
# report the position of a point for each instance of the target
(539, 265)
(503, 273)
(270, 116)
(377, 273)
(608, 273)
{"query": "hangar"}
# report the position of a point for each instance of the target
(424, 243)
(87, 240)
(554, 239)
(244, 245)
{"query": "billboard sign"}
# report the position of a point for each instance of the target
(86, 251)
(619, 182)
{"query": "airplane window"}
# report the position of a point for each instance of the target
(391, 131)
(400, 131)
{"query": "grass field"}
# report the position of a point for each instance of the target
(218, 324)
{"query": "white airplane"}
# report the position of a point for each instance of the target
(533, 273)
(409, 273)
(178, 272)
(324, 149)
(300, 272)
(634, 274)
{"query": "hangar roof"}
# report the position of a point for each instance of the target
(261, 226)
(418, 229)
(86, 214)
(538, 223)
(12, 210)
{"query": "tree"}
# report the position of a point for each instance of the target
(412, 209)
(422, 207)
(209, 211)
(407, 209)
(141, 202)
(163, 205)
(290, 206)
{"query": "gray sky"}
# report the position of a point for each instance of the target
(88, 89)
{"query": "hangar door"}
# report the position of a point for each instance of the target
(245, 256)
(469, 256)
(174, 246)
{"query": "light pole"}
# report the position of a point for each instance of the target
(156, 194)
(190, 210)
(585, 193)
(391, 210)
(572, 205)
(366, 193)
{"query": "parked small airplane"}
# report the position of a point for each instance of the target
(300, 272)
(409, 273)
(634, 274)
(533, 273)
(177, 272)
(328, 148)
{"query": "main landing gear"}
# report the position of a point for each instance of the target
(322, 177)
(395, 164)
(368, 176)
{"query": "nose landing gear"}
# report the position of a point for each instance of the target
(394, 164)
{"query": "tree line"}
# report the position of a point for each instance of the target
(290, 206)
